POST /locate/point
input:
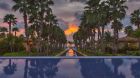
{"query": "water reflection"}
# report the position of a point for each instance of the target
(42, 68)
(71, 53)
(109, 63)
(10, 68)
(70, 68)
(126, 66)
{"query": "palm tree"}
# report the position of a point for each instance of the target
(135, 18)
(128, 30)
(116, 26)
(117, 11)
(39, 16)
(23, 7)
(11, 20)
(90, 20)
(96, 17)
(15, 29)
(108, 37)
(44, 28)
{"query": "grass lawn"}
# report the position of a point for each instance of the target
(16, 54)
(88, 53)
(30, 54)
(129, 53)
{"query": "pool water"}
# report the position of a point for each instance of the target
(70, 68)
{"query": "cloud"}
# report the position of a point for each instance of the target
(20, 24)
(77, 0)
(125, 68)
(62, 24)
(4, 6)
(132, 5)
(126, 21)
(133, 0)
(66, 9)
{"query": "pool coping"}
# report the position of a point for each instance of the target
(67, 57)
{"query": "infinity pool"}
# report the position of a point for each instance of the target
(70, 68)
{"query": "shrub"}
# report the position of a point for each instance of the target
(11, 43)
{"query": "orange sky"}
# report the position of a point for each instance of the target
(72, 28)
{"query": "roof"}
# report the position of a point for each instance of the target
(128, 39)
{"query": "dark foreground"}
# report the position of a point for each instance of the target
(70, 68)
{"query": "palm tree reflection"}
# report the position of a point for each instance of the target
(26, 69)
(10, 68)
(41, 68)
(97, 68)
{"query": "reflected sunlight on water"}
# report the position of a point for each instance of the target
(71, 52)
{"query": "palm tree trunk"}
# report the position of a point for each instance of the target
(10, 33)
(41, 28)
(102, 40)
(139, 42)
(99, 33)
(99, 38)
(138, 26)
(26, 24)
(10, 28)
(93, 39)
(139, 38)
(15, 33)
(26, 30)
(115, 41)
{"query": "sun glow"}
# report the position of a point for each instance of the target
(72, 29)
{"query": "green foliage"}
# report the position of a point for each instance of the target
(31, 53)
(10, 18)
(3, 31)
(15, 29)
(129, 30)
(135, 18)
(137, 33)
(129, 53)
(134, 53)
(16, 43)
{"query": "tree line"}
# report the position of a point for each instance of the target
(98, 15)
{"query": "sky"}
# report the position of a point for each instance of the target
(68, 13)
